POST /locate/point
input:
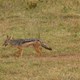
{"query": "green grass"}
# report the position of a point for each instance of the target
(56, 22)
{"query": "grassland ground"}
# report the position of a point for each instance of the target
(57, 23)
(32, 67)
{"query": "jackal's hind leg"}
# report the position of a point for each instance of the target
(38, 50)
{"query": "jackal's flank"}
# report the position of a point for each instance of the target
(21, 43)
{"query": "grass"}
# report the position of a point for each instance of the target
(57, 22)
(43, 68)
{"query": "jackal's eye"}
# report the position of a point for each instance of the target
(5, 43)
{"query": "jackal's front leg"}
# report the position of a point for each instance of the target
(19, 52)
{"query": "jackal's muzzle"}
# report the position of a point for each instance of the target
(4, 44)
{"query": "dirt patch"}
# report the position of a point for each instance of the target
(56, 57)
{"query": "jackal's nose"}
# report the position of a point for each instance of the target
(4, 45)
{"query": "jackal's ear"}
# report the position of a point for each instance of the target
(7, 36)
(11, 37)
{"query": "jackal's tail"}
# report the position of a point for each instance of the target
(45, 46)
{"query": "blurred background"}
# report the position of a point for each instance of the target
(57, 22)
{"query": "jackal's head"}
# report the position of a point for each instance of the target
(7, 40)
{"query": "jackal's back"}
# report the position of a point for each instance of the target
(22, 41)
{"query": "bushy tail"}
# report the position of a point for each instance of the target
(45, 46)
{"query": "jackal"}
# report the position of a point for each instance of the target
(21, 43)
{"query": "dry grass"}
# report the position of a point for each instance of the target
(57, 22)
(42, 68)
